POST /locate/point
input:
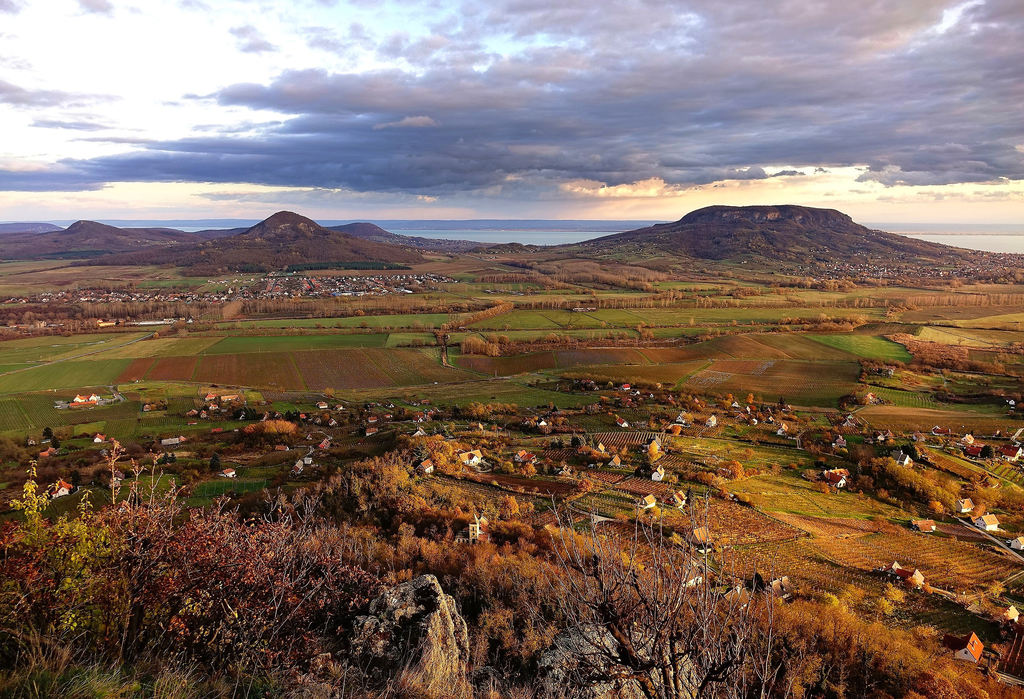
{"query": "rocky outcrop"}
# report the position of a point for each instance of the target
(415, 628)
(575, 666)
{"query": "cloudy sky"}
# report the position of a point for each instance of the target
(892, 110)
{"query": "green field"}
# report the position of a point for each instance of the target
(70, 374)
(284, 343)
(866, 346)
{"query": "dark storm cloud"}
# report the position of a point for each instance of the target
(524, 95)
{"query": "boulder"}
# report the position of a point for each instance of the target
(416, 628)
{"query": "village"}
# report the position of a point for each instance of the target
(636, 450)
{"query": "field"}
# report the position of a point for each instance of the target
(68, 374)
(802, 383)
(867, 346)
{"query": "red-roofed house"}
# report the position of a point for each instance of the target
(1011, 452)
(968, 648)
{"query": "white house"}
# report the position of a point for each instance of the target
(988, 523)
(711, 421)
(227, 473)
(964, 506)
(471, 458)
(621, 423)
(658, 474)
(1017, 544)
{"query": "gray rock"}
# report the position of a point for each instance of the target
(415, 626)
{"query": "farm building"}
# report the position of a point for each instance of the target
(941, 431)
(99, 438)
(912, 577)
(227, 473)
(172, 441)
(647, 502)
(923, 525)
(471, 458)
(426, 467)
(60, 489)
(973, 451)
(1017, 544)
(967, 648)
(475, 531)
(988, 523)
(615, 461)
(658, 474)
(836, 477)
(1011, 452)
(621, 422)
(965, 505)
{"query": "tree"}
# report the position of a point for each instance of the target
(47, 433)
(987, 452)
(658, 628)
(215, 462)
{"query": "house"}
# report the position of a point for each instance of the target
(840, 443)
(783, 430)
(1017, 544)
(281, 447)
(711, 421)
(115, 478)
(419, 432)
(60, 489)
(967, 439)
(679, 499)
(370, 431)
(91, 399)
(965, 505)
(372, 420)
(836, 477)
(973, 451)
(658, 474)
(471, 458)
(171, 441)
(99, 438)
(923, 525)
(322, 405)
(524, 457)
(941, 431)
(615, 461)
(988, 523)
(781, 587)
(620, 422)
(307, 460)
(902, 459)
(49, 451)
(913, 578)
(210, 396)
(298, 467)
(475, 532)
(227, 473)
(426, 467)
(967, 648)
(700, 537)
(625, 387)
(325, 444)
(566, 471)
(1011, 614)
(600, 448)
(681, 420)
(647, 502)
(1011, 452)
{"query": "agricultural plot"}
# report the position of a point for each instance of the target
(518, 320)
(906, 399)
(665, 374)
(69, 374)
(946, 563)
(402, 321)
(291, 343)
(904, 419)
(370, 368)
(173, 369)
(730, 524)
(42, 349)
(867, 346)
(802, 383)
(261, 369)
(160, 347)
(787, 492)
(507, 366)
(12, 416)
(802, 562)
(137, 370)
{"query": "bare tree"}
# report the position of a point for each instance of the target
(649, 616)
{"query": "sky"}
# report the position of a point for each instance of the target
(889, 110)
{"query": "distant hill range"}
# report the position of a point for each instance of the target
(27, 227)
(371, 231)
(284, 240)
(784, 233)
(88, 239)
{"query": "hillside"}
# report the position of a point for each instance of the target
(282, 240)
(788, 233)
(27, 227)
(370, 231)
(89, 239)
